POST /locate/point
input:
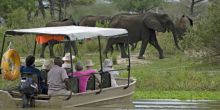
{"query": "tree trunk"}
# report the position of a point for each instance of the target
(41, 7)
(52, 8)
(29, 15)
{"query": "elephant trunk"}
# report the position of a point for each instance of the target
(175, 38)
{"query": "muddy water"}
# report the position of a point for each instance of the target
(160, 104)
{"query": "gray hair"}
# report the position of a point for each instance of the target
(79, 66)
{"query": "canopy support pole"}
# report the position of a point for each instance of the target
(71, 54)
(129, 65)
(100, 53)
(35, 44)
(3, 43)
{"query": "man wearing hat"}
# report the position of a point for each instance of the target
(67, 62)
(107, 66)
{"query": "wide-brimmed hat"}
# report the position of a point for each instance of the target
(107, 62)
(47, 64)
(67, 57)
(89, 63)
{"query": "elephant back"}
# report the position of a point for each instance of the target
(65, 22)
(91, 20)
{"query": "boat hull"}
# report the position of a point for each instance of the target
(116, 95)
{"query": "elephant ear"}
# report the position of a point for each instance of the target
(151, 21)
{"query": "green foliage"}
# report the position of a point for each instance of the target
(8, 6)
(136, 5)
(206, 34)
(104, 9)
(83, 2)
(104, 25)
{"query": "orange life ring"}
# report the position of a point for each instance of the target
(11, 65)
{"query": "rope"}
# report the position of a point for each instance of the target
(10, 46)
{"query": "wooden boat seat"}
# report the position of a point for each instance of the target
(74, 81)
(91, 83)
(68, 70)
(105, 79)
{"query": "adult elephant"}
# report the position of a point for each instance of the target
(91, 20)
(51, 42)
(182, 24)
(142, 28)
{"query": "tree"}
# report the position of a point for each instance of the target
(191, 5)
(137, 5)
(60, 6)
(8, 6)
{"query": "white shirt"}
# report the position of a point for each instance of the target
(113, 75)
(68, 65)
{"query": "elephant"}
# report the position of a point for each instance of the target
(50, 43)
(182, 24)
(142, 27)
(91, 20)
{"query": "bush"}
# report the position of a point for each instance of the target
(205, 35)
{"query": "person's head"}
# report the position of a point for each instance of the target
(58, 61)
(47, 64)
(67, 57)
(107, 63)
(79, 66)
(29, 61)
(89, 64)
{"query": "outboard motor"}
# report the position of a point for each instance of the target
(28, 89)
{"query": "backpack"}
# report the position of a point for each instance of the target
(28, 86)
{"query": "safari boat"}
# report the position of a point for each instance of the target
(95, 97)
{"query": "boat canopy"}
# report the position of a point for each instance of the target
(72, 32)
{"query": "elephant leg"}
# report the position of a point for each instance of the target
(133, 46)
(154, 42)
(122, 48)
(43, 47)
(66, 47)
(51, 44)
(109, 46)
(143, 48)
(74, 46)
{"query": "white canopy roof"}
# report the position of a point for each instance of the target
(73, 32)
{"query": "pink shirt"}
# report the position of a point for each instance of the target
(83, 79)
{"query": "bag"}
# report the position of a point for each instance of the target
(28, 86)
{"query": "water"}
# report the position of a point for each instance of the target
(170, 104)
(150, 104)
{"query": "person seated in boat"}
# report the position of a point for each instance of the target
(47, 65)
(58, 80)
(67, 63)
(29, 68)
(89, 66)
(83, 75)
(108, 66)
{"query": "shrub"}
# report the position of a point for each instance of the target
(206, 34)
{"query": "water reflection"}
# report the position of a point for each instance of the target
(159, 104)
(167, 104)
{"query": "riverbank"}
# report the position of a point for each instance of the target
(177, 77)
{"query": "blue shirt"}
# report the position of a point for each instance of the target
(33, 70)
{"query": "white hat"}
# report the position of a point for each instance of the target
(89, 63)
(107, 62)
(47, 64)
(67, 57)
